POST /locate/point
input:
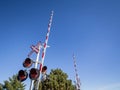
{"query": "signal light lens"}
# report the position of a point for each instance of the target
(22, 75)
(34, 73)
(27, 63)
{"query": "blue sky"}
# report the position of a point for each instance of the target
(88, 28)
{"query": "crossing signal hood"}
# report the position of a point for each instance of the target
(27, 63)
(22, 75)
(34, 73)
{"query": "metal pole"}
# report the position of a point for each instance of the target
(36, 64)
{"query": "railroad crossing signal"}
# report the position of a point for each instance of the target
(22, 75)
(34, 74)
(27, 63)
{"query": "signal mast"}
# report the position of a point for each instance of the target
(77, 79)
(35, 73)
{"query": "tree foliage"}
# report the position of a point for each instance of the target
(57, 80)
(12, 84)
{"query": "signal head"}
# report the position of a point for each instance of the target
(44, 68)
(34, 73)
(27, 63)
(22, 75)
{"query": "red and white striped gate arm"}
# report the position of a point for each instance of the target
(46, 41)
(44, 49)
(77, 77)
